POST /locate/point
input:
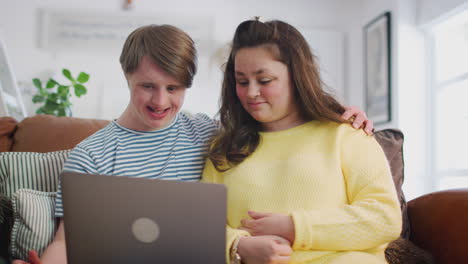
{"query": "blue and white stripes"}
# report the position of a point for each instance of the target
(173, 153)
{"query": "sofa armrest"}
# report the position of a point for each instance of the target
(439, 224)
(7, 130)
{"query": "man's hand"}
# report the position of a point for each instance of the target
(269, 224)
(264, 250)
(33, 259)
(360, 119)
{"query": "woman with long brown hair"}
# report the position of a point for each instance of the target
(303, 186)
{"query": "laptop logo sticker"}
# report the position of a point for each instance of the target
(145, 230)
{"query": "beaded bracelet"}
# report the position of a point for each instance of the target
(235, 257)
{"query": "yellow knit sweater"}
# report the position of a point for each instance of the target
(333, 180)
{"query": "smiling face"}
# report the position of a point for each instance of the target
(155, 98)
(264, 88)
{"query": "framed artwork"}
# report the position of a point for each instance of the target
(377, 52)
(11, 102)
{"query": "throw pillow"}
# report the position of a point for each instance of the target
(391, 141)
(33, 222)
(25, 170)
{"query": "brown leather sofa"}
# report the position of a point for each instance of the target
(436, 222)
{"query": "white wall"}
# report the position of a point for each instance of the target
(430, 11)
(107, 94)
(365, 13)
(413, 99)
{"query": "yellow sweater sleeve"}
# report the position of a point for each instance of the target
(211, 175)
(372, 216)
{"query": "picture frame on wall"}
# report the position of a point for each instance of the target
(377, 69)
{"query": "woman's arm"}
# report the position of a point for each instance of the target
(252, 250)
(264, 249)
(371, 218)
(269, 224)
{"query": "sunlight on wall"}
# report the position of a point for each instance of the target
(450, 90)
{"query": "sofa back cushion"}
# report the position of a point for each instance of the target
(7, 130)
(30, 170)
(391, 141)
(46, 133)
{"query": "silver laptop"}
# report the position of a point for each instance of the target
(110, 219)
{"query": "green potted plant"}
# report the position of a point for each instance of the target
(55, 97)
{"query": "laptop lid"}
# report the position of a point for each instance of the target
(113, 219)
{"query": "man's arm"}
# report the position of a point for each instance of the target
(359, 119)
(80, 160)
(54, 254)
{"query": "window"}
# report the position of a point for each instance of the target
(449, 82)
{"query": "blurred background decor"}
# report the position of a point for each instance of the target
(55, 97)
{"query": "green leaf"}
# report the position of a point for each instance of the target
(65, 104)
(83, 77)
(51, 83)
(43, 92)
(52, 98)
(64, 98)
(38, 99)
(40, 110)
(48, 110)
(61, 112)
(79, 90)
(67, 74)
(44, 110)
(51, 104)
(37, 83)
(63, 91)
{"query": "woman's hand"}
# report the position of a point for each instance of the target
(269, 224)
(360, 119)
(33, 259)
(264, 250)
